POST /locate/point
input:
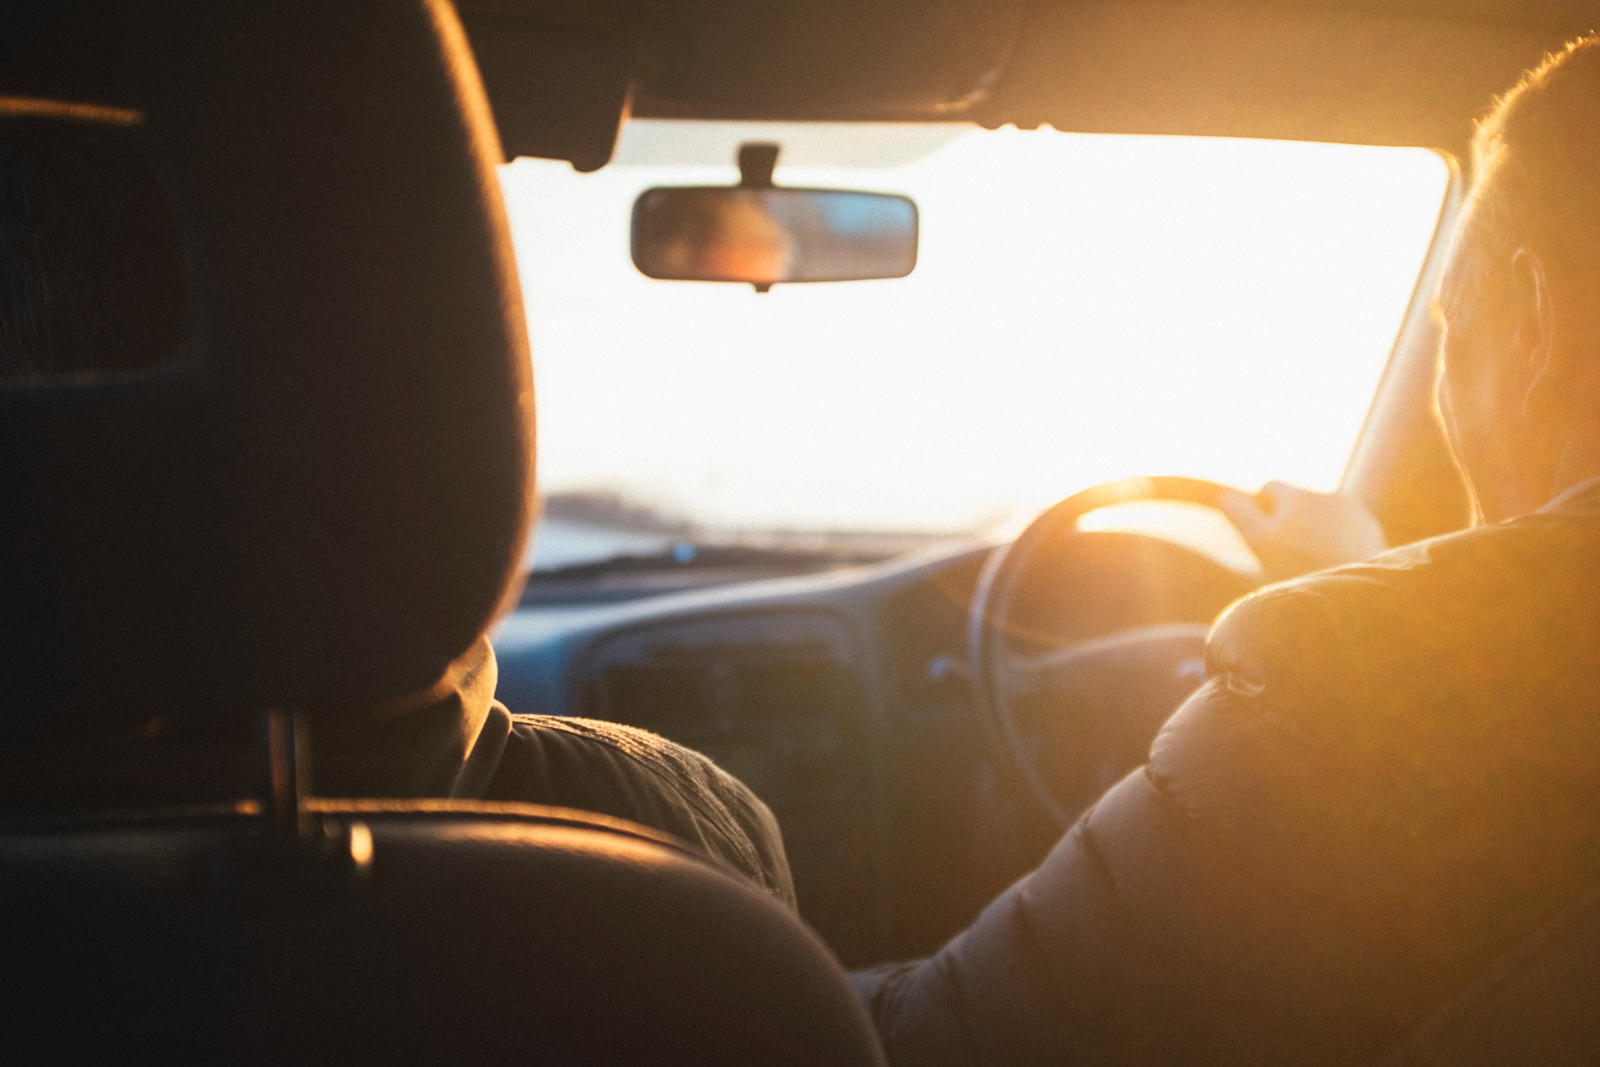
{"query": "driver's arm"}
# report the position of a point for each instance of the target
(1199, 911)
(1371, 798)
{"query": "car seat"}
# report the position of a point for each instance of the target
(318, 496)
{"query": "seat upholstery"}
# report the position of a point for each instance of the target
(324, 500)
(321, 500)
(485, 934)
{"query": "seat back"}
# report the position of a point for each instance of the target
(481, 934)
(317, 499)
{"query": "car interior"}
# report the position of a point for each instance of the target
(301, 478)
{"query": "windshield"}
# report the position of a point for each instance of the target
(1084, 307)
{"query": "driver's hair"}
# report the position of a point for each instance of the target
(1536, 164)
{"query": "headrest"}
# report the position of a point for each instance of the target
(266, 441)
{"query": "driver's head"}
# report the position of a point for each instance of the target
(1520, 302)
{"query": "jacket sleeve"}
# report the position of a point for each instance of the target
(1344, 824)
(1135, 941)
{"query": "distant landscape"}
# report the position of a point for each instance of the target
(602, 507)
(584, 526)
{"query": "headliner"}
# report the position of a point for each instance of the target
(1363, 71)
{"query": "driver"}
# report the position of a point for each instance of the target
(1390, 777)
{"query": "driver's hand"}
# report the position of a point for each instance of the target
(1295, 531)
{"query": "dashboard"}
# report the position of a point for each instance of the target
(843, 700)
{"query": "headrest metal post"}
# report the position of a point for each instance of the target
(296, 859)
(286, 772)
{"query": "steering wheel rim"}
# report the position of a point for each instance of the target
(987, 620)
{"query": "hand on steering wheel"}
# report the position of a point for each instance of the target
(1000, 676)
(1295, 531)
(1292, 531)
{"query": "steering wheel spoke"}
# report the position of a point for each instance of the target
(1061, 670)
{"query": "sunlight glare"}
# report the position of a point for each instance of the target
(1084, 308)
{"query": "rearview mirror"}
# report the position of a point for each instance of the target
(767, 235)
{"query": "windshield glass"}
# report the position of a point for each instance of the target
(1084, 307)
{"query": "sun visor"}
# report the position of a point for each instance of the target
(1399, 74)
(1411, 74)
(822, 59)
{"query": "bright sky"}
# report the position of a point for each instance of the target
(1084, 308)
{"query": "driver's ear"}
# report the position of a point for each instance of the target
(1533, 333)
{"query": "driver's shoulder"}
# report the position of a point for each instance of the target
(1432, 598)
(1375, 704)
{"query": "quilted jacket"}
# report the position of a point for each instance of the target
(1390, 777)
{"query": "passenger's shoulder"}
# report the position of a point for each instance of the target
(588, 733)
(612, 742)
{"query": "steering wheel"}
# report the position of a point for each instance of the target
(998, 674)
